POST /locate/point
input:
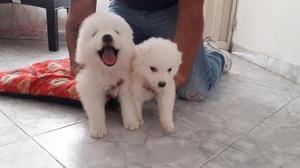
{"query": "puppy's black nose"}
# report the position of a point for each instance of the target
(107, 38)
(161, 84)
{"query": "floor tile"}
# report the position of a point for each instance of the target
(25, 154)
(232, 158)
(240, 66)
(9, 132)
(21, 53)
(268, 79)
(233, 109)
(243, 100)
(277, 139)
(183, 149)
(36, 117)
(292, 164)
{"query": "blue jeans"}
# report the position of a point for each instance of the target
(207, 67)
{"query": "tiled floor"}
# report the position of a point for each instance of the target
(251, 120)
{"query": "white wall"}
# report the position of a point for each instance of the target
(27, 22)
(270, 27)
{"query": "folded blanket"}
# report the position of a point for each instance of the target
(48, 78)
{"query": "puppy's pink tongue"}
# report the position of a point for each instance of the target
(109, 58)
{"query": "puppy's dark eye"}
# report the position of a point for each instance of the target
(170, 69)
(117, 32)
(153, 69)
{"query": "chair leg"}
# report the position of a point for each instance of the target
(52, 26)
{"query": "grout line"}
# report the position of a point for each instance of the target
(246, 133)
(250, 70)
(274, 113)
(78, 122)
(33, 139)
(259, 84)
(214, 156)
(14, 142)
(231, 144)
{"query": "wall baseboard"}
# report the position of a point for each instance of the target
(275, 65)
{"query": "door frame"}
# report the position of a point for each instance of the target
(213, 22)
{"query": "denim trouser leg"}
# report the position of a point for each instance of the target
(207, 67)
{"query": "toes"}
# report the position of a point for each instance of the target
(141, 121)
(98, 133)
(168, 126)
(133, 125)
(170, 129)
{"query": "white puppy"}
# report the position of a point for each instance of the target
(154, 67)
(105, 47)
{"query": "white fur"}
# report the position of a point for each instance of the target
(96, 80)
(161, 54)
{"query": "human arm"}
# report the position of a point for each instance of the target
(188, 35)
(78, 11)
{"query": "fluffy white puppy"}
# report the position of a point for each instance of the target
(105, 48)
(154, 67)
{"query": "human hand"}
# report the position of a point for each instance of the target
(75, 68)
(180, 79)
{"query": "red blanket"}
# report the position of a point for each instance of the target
(48, 78)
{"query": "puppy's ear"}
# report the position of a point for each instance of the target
(178, 54)
(143, 50)
(179, 57)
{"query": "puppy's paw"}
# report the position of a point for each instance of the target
(98, 132)
(168, 126)
(141, 121)
(131, 124)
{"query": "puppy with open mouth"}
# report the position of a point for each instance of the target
(105, 48)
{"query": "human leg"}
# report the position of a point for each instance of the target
(208, 65)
